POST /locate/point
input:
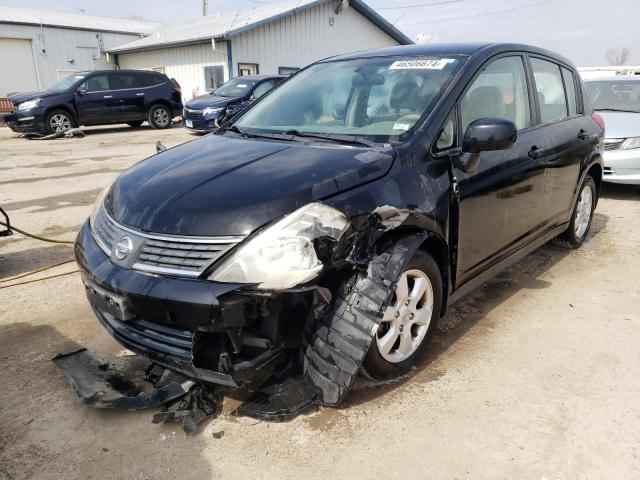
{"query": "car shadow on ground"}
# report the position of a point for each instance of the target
(23, 261)
(473, 308)
(620, 192)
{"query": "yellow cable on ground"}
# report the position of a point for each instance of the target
(39, 279)
(9, 279)
(37, 237)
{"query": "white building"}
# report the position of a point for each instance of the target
(39, 47)
(276, 38)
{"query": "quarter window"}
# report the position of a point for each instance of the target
(551, 95)
(570, 87)
(499, 91)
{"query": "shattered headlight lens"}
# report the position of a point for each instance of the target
(630, 143)
(29, 105)
(98, 204)
(283, 255)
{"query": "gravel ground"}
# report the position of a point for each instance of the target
(536, 375)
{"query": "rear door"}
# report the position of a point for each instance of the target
(94, 100)
(128, 93)
(500, 202)
(563, 123)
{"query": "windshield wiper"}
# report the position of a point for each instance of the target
(334, 137)
(615, 110)
(244, 133)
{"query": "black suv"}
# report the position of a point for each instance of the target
(98, 98)
(325, 231)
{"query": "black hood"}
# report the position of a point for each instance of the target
(19, 97)
(223, 185)
(210, 101)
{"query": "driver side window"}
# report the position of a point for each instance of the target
(98, 83)
(500, 91)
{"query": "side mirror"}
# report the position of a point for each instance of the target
(81, 91)
(488, 134)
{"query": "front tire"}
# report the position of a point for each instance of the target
(408, 321)
(58, 121)
(160, 116)
(576, 233)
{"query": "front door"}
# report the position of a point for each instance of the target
(94, 101)
(500, 202)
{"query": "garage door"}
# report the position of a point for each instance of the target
(16, 64)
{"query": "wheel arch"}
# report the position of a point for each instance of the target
(66, 109)
(161, 101)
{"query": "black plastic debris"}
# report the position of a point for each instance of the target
(198, 405)
(127, 383)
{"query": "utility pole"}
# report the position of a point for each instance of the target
(204, 7)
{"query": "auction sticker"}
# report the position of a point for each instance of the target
(424, 64)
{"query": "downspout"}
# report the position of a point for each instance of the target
(116, 61)
(229, 58)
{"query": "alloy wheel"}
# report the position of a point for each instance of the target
(60, 123)
(161, 117)
(406, 321)
(583, 211)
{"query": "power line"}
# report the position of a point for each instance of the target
(451, 19)
(444, 2)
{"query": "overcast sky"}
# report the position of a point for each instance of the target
(582, 30)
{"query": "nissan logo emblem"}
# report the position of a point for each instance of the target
(123, 247)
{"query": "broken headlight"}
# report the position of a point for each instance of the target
(283, 255)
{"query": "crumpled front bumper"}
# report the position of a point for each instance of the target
(28, 121)
(160, 317)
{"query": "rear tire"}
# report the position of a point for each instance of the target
(58, 121)
(134, 124)
(578, 230)
(408, 321)
(160, 116)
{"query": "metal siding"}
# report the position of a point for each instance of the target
(61, 44)
(305, 37)
(185, 64)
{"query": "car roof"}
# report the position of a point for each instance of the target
(442, 49)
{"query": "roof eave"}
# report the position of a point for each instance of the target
(383, 24)
(177, 43)
(89, 29)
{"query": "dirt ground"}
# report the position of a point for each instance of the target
(536, 375)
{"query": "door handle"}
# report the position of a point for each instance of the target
(139, 94)
(535, 152)
(108, 96)
(582, 135)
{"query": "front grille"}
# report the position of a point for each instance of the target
(151, 336)
(613, 143)
(174, 255)
(192, 114)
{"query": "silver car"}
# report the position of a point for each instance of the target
(617, 99)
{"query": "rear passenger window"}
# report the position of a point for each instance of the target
(120, 81)
(550, 90)
(499, 91)
(570, 87)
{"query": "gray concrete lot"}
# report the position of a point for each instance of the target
(536, 375)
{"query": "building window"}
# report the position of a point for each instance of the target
(287, 70)
(248, 69)
(213, 77)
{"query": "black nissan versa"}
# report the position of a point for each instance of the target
(99, 97)
(325, 230)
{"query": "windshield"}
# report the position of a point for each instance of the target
(615, 95)
(66, 83)
(380, 98)
(238, 87)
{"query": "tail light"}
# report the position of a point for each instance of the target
(176, 85)
(599, 120)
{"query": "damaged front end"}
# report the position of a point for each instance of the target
(282, 350)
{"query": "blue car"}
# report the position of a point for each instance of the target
(206, 112)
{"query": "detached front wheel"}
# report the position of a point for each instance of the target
(408, 320)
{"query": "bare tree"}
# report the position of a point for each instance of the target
(617, 56)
